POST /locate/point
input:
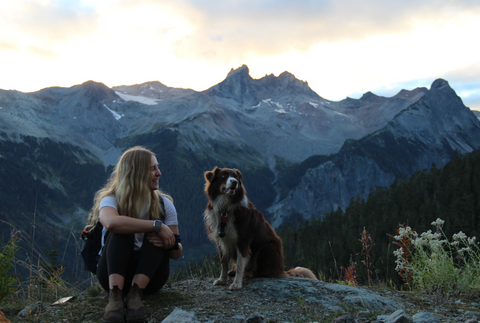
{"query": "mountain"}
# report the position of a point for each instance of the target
(428, 132)
(299, 153)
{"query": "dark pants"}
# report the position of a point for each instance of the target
(118, 257)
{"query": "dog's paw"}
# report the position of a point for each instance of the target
(220, 282)
(235, 286)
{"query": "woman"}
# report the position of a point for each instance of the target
(130, 208)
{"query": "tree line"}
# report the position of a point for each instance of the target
(330, 241)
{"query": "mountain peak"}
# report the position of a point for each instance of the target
(237, 85)
(94, 90)
(439, 83)
(368, 96)
(241, 87)
(242, 70)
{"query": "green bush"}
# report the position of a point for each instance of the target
(435, 264)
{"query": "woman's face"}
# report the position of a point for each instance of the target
(154, 174)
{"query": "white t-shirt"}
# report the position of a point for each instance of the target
(170, 217)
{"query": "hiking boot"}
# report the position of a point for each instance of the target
(114, 312)
(135, 308)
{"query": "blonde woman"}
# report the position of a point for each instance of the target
(140, 234)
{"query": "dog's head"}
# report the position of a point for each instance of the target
(226, 181)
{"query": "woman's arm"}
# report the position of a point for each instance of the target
(158, 242)
(122, 224)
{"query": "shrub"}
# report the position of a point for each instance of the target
(437, 264)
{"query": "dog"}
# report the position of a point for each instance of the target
(241, 233)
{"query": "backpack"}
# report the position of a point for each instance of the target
(92, 244)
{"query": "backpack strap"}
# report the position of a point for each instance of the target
(163, 215)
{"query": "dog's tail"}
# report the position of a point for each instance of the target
(301, 272)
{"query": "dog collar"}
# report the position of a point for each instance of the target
(223, 224)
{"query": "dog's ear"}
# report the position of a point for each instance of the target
(238, 174)
(211, 174)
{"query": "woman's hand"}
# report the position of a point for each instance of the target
(155, 240)
(166, 234)
(158, 242)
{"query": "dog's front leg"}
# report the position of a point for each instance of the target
(223, 275)
(241, 264)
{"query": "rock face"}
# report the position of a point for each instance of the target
(284, 299)
(304, 300)
(427, 132)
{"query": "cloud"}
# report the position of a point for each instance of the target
(270, 27)
(45, 23)
(339, 47)
(42, 52)
(466, 74)
(7, 45)
(466, 82)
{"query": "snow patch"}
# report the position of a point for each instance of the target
(154, 89)
(270, 102)
(136, 98)
(313, 104)
(280, 111)
(116, 115)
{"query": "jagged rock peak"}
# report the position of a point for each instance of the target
(243, 70)
(241, 87)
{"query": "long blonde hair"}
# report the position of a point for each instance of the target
(128, 183)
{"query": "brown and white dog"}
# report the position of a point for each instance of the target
(241, 233)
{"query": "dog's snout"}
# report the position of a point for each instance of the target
(233, 183)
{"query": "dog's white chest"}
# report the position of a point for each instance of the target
(228, 242)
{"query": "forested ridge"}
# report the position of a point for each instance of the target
(329, 241)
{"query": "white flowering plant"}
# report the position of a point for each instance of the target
(433, 263)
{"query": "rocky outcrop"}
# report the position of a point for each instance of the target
(303, 300)
(273, 300)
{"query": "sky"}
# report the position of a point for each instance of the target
(342, 48)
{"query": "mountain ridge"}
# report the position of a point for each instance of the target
(266, 127)
(406, 144)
